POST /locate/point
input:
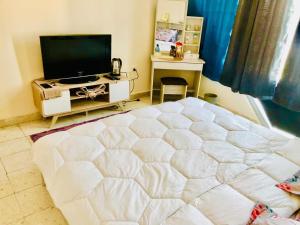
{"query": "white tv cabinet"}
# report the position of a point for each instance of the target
(68, 103)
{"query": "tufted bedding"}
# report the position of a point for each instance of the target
(178, 163)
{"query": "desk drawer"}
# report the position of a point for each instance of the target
(178, 66)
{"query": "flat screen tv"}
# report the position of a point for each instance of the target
(75, 56)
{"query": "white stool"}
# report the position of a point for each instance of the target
(173, 86)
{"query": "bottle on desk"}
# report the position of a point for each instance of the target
(157, 50)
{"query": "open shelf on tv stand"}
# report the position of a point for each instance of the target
(80, 80)
(69, 104)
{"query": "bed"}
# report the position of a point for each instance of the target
(179, 163)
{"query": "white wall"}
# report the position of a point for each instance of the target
(131, 23)
(235, 102)
(20, 63)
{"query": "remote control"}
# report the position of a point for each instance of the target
(46, 86)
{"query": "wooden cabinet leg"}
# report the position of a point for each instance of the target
(53, 121)
(151, 84)
(198, 77)
(185, 92)
(162, 93)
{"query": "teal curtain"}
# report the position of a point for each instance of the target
(219, 17)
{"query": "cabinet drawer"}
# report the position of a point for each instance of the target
(119, 91)
(57, 105)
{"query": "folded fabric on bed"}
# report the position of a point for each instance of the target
(264, 215)
(292, 184)
(178, 163)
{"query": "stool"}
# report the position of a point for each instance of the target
(173, 86)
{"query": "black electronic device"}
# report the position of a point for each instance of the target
(76, 58)
(46, 86)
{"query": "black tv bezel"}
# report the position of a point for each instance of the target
(58, 77)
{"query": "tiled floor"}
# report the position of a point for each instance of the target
(24, 199)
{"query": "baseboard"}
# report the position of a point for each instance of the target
(20, 119)
(137, 95)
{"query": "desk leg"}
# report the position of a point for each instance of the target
(151, 84)
(198, 77)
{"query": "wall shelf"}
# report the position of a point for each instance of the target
(193, 33)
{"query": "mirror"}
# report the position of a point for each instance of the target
(170, 23)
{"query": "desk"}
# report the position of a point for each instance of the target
(171, 64)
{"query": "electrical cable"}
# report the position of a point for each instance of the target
(133, 80)
(100, 90)
(92, 93)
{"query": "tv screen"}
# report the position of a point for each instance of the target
(75, 56)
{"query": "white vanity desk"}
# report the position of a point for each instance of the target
(171, 64)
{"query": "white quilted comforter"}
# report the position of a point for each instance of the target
(179, 163)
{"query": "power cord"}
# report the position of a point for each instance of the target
(93, 92)
(133, 80)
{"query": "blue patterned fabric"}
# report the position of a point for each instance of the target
(219, 16)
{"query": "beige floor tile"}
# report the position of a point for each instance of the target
(91, 115)
(10, 210)
(19, 222)
(5, 187)
(34, 199)
(49, 216)
(42, 125)
(2, 170)
(64, 121)
(25, 178)
(10, 133)
(34, 127)
(17, 161)
(29, 139)
(78, 118)
(137, 104)
(14, 146)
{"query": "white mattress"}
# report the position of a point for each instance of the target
(179, 163)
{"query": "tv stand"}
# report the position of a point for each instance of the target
(67, 102)
(80, 80)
